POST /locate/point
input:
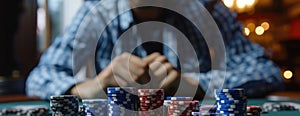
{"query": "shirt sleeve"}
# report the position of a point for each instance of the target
(54, 75)
(247, 65)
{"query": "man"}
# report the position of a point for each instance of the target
(151, 63)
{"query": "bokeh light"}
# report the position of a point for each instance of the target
(287, 74)
(259, 30)
(247, 31)
(228, 3)
(250, 2)
(265, 25)
(251, 27)
(241, 3)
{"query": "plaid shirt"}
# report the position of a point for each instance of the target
(247, 64)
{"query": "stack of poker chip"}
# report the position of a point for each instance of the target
(122, 101)
(151, 102)
(183, 106)
(253, 110)
(64, 105)
(231, 102)
(95, 107)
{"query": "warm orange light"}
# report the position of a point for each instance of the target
(250, 2)
(241, 4)
(251, 27)
(228, 3)
(287, 74)
(247, 31)
(265, 25)
(259, 30)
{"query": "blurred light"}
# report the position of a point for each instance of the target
(259, 30)
(228, 3)
(246, 31)
(241, 4)
(251, 27)
(250, 2)
(287, 74)
(265, 25)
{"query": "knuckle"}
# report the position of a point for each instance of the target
(156, 54)
(168, 65)
(134, 78)
(144, 65)
(126, 54)
(162, 58)
(141, 72)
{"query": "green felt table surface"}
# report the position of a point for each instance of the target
(258, 102)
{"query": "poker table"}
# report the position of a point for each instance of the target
(258, 102)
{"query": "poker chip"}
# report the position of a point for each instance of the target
(207, 108)
(121, 101)
(254, 110)
(180, 98)
(95, 107)
(150, 92)
(64, 105)
(25, 110)
(231, 102)
(183, 106)
(151, 102)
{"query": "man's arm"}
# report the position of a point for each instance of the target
(54, 73)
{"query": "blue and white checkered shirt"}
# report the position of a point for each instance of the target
(247, 64)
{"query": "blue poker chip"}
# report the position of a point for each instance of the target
(231, 101)
(229, 95)
(180, 98)
(231, 109)
(119, 98)
(122, 106)
(128, 89)
(234, 90)
(123, 97)
(230, 106)
(230, 98)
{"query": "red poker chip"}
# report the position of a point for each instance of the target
(153, 105)
(151, 90)
(151, 98)
(147, 92)
(150, 94)
(149, 102)
(254, 109)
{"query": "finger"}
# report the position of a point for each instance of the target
(172, 79)
(123, 72)
(134, 65)
(150, 58)
(134, 59)
(161, 70)
(160, 58)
